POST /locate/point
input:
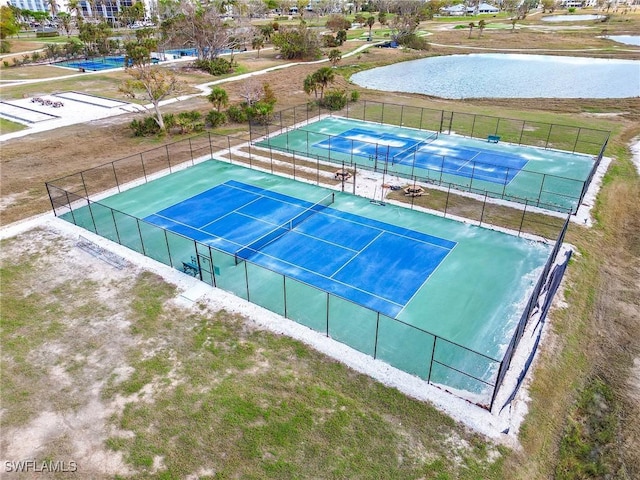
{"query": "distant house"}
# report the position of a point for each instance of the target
(460, 9)
(454, 10)
(485, 8)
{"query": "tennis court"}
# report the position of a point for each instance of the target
(335, 251)
(429, 295)
(542, 177)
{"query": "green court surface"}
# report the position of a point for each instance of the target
(453, 331)
(545, 178)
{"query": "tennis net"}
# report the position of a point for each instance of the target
(414, 148)
(247, 251)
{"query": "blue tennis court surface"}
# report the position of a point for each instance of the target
(368, 262)
(427, 153)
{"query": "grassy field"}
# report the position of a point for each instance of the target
(107, 367)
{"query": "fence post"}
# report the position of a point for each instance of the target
(246, 279)
(496, 387)
(191, 151)
(484, 204)
(327, 330)
(375, 345)
(546, 145)
(141, 239)
(524, 212)
(166, 241)
(84, 185)
(115, 175)
(284, 294)
(168, 158)
(144, 172)
(575, 144)
(115, 226)
(446, 203)
(433, 354)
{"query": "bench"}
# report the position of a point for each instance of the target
(191, 268)
(493, 138)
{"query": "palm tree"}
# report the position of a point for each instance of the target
(370, 22)
(257, 43)
(310, 85)
(53, 5)
(471, 25)
(218, 97)
(324, 77)
(481, 25)
(76, 6)
(335, 56)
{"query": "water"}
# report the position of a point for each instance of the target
(508, 76)
(626, 39)
(571, 18)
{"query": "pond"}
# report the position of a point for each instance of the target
(571, 18)
(507, 76)
(626, 39)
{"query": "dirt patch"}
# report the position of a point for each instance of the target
(67, 414)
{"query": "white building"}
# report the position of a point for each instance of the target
(33, 5)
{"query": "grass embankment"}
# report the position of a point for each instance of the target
(177, 392)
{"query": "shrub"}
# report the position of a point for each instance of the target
(169, 120)
(260, 112)
(329, 41)
(216, 118)
(355, 95)
(237, 114)
(145, 127)
(5, 47)
(5, 63)
(334, 100)
(53, 33)
(414, 42)
(189, 122)
(216, 66)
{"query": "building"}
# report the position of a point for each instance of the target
(33, 5)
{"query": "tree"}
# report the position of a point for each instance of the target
(132, 14)
(471, 25)
(65, 21)
(153, 82)
(95, 37)
(310, 84)
(403, 26)
(257, 43)
(53, 6)
(370, 22)
(76, 7)
(8, 24)
(481, 25)
(297, 42)
(324, 76)
(218, 97)
(335, 56)
(337, 22)
(199, 26)
(382, 18)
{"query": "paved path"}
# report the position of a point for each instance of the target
(68, 117)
